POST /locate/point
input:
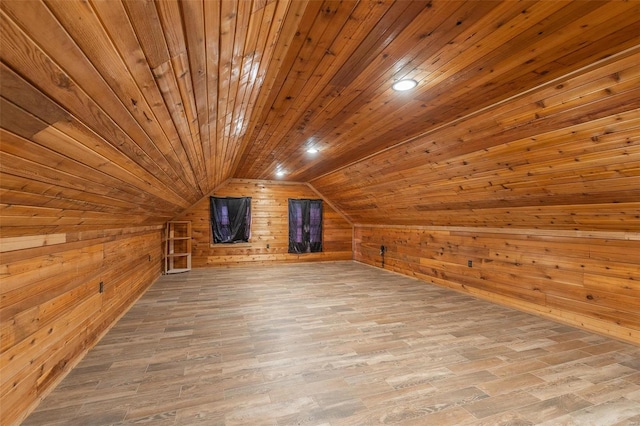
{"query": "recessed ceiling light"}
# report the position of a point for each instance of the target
(280, 173)
(312, 150)
(403, 85)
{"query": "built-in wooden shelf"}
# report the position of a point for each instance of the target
(177, 247)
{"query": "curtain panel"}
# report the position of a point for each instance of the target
(230, 219)
(305, 226)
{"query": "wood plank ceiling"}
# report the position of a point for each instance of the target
(123, 113)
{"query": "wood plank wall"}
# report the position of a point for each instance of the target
(566, 156)
(587, 279)
(51, 309)
(269, 227)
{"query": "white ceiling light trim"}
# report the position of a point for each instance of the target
(402, 85)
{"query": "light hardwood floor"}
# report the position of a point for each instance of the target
(340, 343)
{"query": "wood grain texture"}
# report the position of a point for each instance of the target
(269, 226)
(114, 108)
(120, 115)
(347, 344)
(563, 157)
(466, 57)
(586, 281)
(52, 310)
(134, 100)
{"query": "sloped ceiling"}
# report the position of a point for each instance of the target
(126, 113)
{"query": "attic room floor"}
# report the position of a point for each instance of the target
(340, 343)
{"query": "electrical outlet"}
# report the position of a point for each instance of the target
(267, 245)
(470, 263)
(101, 287)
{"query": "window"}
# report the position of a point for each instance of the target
(230, 219)
(305, 226)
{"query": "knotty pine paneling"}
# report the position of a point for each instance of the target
(270, 226)
(333, 89)
(133, 111)
(51, 309)
(590, 280)
(115, 110)
(566, 156)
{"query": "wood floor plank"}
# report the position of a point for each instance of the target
(339, 343)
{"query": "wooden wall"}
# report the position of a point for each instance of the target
(269, 227)
(119, 115)
(587, 279)
(565, 156)
(51, 309)
(542, 193)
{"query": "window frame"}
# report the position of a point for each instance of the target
(300, 233)
(244, 226)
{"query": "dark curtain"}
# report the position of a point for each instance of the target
(305, 226)
(231, 219)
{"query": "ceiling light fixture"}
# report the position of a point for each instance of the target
(312, 150)
(403, 85)
(280, 173)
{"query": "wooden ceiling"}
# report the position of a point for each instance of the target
(527, 113)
